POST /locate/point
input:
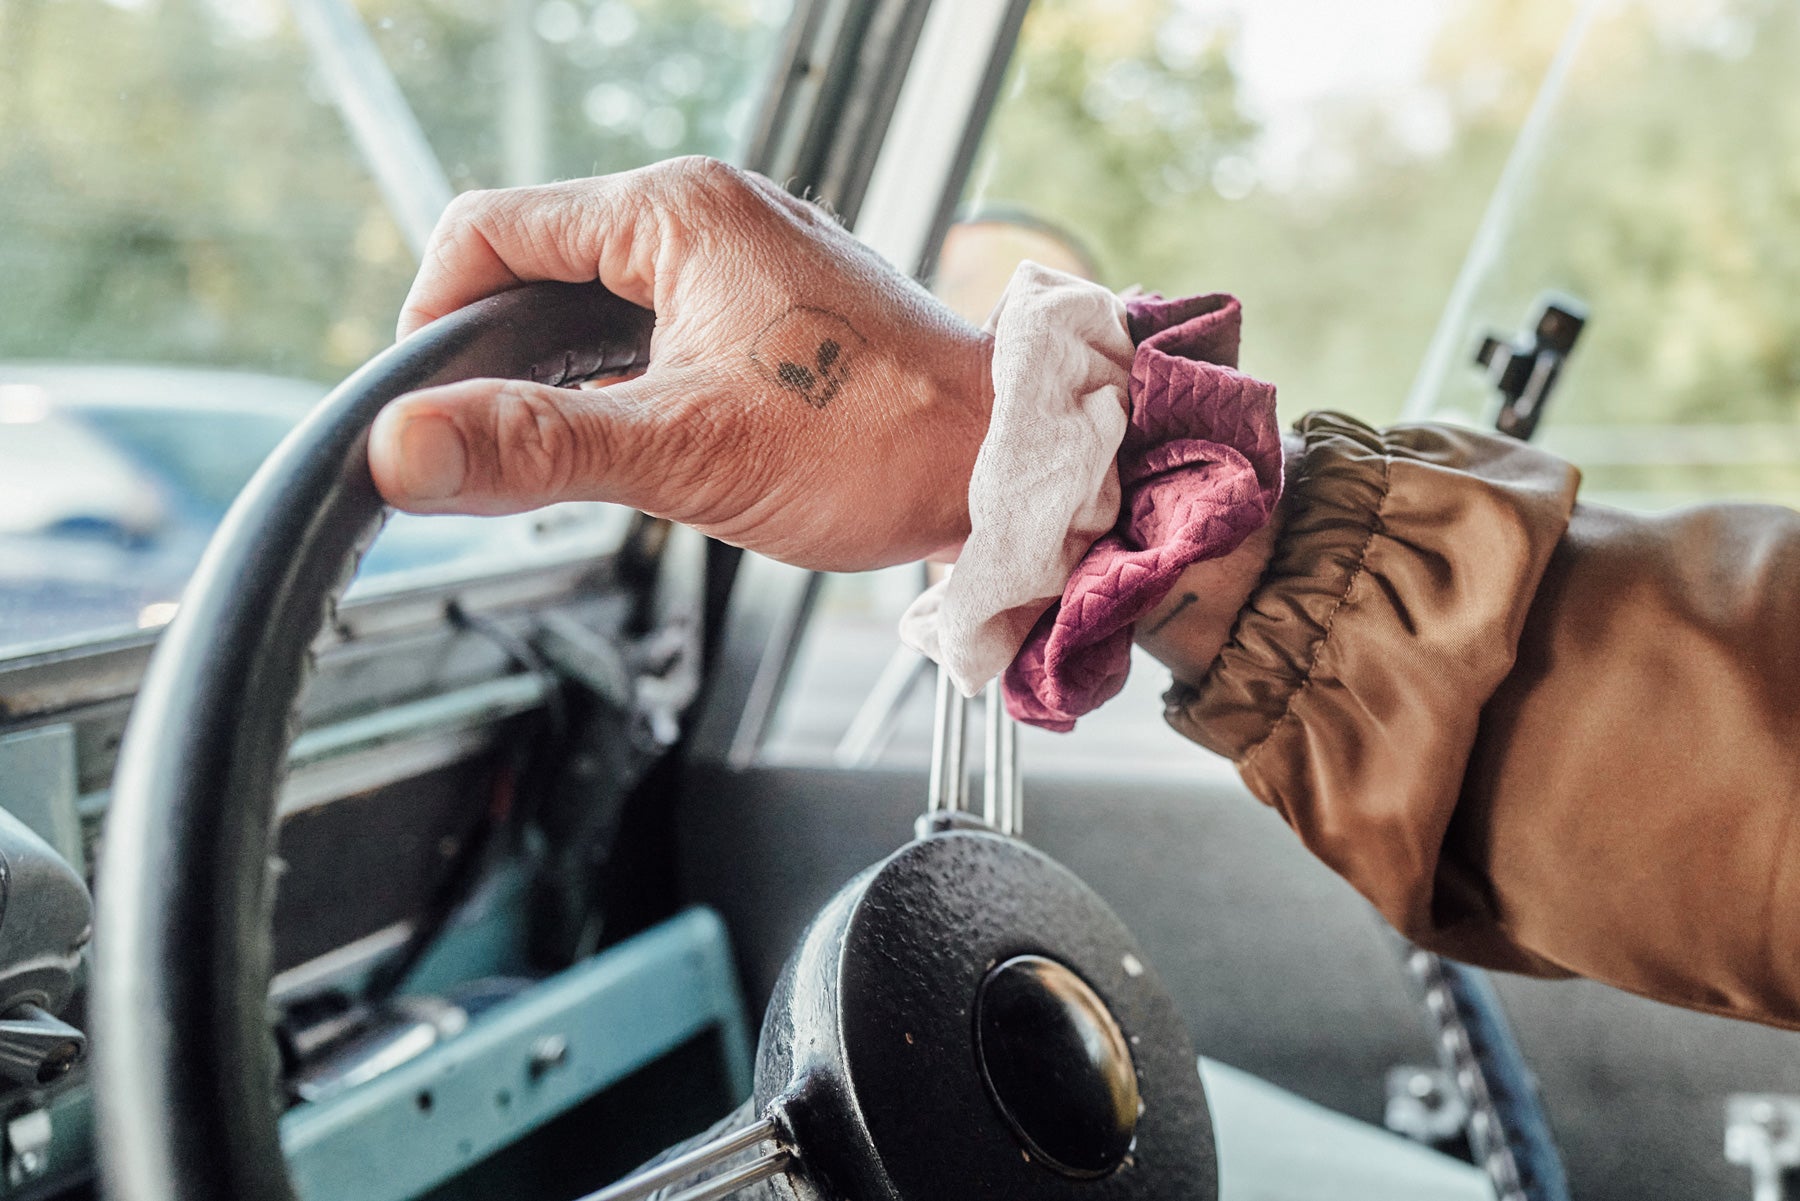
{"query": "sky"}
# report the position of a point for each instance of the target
(1293, 52)
(1295, 57)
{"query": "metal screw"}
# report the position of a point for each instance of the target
(548, 1053)
(1424, 1087)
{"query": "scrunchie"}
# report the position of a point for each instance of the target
(1200, 470)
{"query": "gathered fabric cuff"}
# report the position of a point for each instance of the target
(1045, 484)
(1200, 470)
(1124, 447)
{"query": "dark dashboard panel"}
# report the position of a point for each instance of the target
(357, 865)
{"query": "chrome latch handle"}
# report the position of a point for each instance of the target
(947, 798)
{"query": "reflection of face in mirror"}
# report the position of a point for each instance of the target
(981, 252)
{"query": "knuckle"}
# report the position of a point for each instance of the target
(540, 451)
(715, 179)
(465, 208)
(441, 252)
(492, 214)
(701, 168)
(462, 219)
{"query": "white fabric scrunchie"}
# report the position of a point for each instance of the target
(1046, 482)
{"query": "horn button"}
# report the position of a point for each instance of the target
(1056, 1064)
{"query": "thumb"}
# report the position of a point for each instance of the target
(490, 446)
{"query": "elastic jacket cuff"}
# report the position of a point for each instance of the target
(1351, 690)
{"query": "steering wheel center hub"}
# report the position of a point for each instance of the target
(1056, 1065)
(968, 1019)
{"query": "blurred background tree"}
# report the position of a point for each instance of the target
(175, 185)
(1668, 193)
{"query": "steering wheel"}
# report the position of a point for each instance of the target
(965, 1017)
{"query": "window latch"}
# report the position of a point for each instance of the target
(1524, 370)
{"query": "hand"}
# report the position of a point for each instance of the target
(803, 398)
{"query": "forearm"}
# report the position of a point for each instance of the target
(1632, 799)
(1539, 736)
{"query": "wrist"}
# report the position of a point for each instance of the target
(960, 407)
(1190, 626)
(1125, 454)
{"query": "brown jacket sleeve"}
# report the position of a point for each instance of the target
(1539, 735)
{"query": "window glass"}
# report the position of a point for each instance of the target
(195, 246)
(520, 91)
(1328, 163)
(1663, 194)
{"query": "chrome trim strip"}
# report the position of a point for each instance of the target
(51, 679)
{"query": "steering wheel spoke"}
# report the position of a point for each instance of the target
(773, 1159)
(947, 805)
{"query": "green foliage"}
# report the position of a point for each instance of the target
(1101, 124)
(1670, 195)
(617, 83)
(1341, 285)
(170, 191)
(175, 185)
(1667, 194)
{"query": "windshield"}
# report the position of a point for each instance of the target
(210, 211)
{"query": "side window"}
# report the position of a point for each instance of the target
(1258, 149)
(1662, 193)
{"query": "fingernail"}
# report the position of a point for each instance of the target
(434, 457)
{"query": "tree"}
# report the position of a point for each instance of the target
(175, 187)
(1666, 196)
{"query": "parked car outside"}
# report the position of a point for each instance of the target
(114, 476)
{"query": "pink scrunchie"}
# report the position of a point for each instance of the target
(1200, 470)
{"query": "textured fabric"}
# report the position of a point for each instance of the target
(1045, 485)
(1199, 468)
(1539, 735)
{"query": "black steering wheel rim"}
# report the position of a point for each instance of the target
(185, 1067)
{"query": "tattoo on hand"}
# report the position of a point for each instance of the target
(1187, 598)
(809, 352)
